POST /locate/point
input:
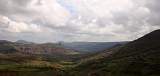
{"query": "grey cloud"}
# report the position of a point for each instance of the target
(121, 18)
(21, 2)
(155, 10)
(12, 6)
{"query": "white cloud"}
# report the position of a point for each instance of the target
(13, 26)
(79, 20)
(50, 11)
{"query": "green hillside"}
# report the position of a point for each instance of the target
(138, 58)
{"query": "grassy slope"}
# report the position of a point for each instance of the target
(138, 58)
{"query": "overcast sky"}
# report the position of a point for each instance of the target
(77, 20)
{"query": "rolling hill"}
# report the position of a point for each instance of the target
(31, 59)
(32, 48)
(140, 57)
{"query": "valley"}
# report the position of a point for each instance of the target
(140, 57)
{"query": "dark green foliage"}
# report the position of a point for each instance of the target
(7, 48)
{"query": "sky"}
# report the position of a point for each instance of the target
(77, 20)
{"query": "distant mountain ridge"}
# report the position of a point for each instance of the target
(91, 46)
(23, 42)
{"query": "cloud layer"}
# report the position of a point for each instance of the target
(77, 20)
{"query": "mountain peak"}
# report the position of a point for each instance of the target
(23, 42)
(154, 35)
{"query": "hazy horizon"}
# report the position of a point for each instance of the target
(44, 21)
